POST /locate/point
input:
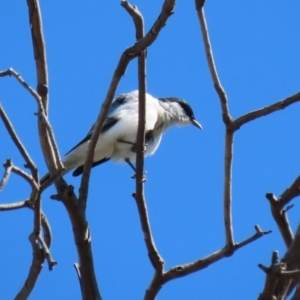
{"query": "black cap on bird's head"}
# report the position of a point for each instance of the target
(189, 112)
(186, 108)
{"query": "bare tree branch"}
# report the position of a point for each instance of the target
(82, 239)
(46, 135)
(239, 122)
(15, 205)
(281, 219)
(12, 72)
(39, 49)
(34, 271)
(126, 57)
(211, 64)
(29, 162)
(139, 196)
(290, 193)
(183, 270)
(227, 121)
(7, 171)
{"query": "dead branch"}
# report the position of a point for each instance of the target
(7, 171)
(139, 196)
(15, 205)
(227, 121)
(82, 239)
(10, 129)
(46, 135)
(281, 219)
(15, 74)
(186, 269)
(211, 64)
(290, 193)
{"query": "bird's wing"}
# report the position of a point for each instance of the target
(108, 123)
(78, 171)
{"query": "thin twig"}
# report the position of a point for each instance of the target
(7, 171)
(25, 176)
(15, 205)
(126, 57)
(8, 125)
(258, 234)
(211, 64)
(15, 74)
(239, 122)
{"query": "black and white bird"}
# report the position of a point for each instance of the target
(118, 136)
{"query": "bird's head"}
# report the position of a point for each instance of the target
(179, 111)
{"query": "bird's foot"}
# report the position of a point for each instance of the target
(144, 178)
(133, 148)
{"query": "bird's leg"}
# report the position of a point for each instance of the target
(134, 169)
(130, 164)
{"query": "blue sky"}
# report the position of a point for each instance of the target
(256, 48)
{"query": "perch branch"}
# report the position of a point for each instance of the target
(126, 57)
(139, 196)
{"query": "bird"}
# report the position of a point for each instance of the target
(117, 139)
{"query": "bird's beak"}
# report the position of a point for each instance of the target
(197, 124)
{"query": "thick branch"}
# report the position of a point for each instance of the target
(281, 219)
(46, 135)
(82, 239)
(126, 57)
